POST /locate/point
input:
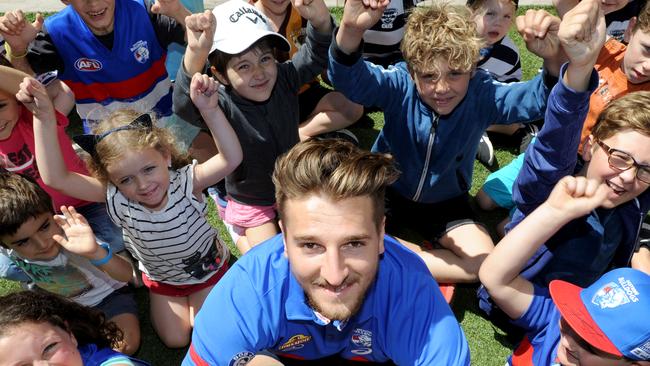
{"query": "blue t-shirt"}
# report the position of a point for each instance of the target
(259, 305)
(542, 324)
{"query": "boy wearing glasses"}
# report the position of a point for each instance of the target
(603, 324)
(617, 153)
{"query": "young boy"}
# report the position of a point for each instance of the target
(60, 254)
(621, 70)
(259, 96)
(436, 107)
(17, 154)
(603, 324)
(616, 152)
(112, 54)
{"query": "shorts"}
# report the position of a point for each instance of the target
(167, 289)
(239, 214)
(105, 230)
(120, 301)
(183, 131)
(498, 185)
(430, 220)
(309, 99)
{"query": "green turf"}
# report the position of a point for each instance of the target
(487, 343)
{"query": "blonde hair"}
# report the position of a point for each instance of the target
(335, 168)
(442, 32)
(629, 112)
(112, 147)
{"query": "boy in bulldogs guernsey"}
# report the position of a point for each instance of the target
(606, 323)
(109, 55)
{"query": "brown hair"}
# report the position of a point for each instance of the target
(111, 147)
(442, 32)
(475, 5)
(643, 20)
(629, 112)
(335, 168)
(88, 325)
(219, 60)
(21, 198)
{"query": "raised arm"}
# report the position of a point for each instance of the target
(171, 8)
(203, 91)
(199, 30)
(316, 12)
(18, 34)
(79, 239)
(358, 16)
(51, 164)
(539, 28)
(571, 198)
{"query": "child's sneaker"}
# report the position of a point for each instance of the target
(485, 152)
(527, 133)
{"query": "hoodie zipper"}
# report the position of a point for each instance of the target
(432, 137)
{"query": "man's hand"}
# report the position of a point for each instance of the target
(203, 92)
(33, 95)
(573, 197)
(200, 30)
(18, 32)
(539, 30)
(582, 33)
(79, 237)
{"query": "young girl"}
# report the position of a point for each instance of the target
(153, 196)
(39, 326)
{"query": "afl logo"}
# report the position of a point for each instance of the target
(87, 64)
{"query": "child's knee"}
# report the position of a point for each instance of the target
(484, 201)
(175, 338)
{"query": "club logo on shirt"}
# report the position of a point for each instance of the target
(295, 342)
(140, 51)
(87, 64)
(362, 341)
(242, 358)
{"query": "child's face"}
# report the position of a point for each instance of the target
(99, 15)
(573, 350)
(33, 240)
(142, 176)
(275, 7)
(442, 90)
(623, 185)
(493, 20)
(9, 113)
(636, 61)
(253, 74)
(33, 343)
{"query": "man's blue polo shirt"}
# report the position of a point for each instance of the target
(259, 305)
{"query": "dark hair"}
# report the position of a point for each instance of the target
(21, 198)
(220, 59)
(88, 325)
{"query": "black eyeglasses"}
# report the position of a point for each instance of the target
(622, 161)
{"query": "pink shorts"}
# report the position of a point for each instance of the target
(246, 216)
(167, 289)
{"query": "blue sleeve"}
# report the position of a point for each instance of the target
(231, 325)
(539, 313)
(554, 154)
(365, 83)
(521, 101)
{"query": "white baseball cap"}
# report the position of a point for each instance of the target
(239, 25)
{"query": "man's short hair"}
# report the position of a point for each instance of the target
(20, 199)
(643, 20)
(442, 32)
(629, 112)
(336, 169)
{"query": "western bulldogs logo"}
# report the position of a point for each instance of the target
(362, 340)
(610, 296)
(87, 64)
(140, 51)
(242, 358)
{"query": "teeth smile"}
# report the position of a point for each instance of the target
(94, 14)
(618, 190)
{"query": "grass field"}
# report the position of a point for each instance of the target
(488, 344)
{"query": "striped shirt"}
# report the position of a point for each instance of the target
(172, 245)
(502, 61)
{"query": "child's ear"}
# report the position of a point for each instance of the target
(220, 77)
(628, 31)
(588, 148)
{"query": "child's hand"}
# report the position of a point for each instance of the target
(203, 92)
(34, 97)
(79, 237)
(167, 7)
(200, 29)
(17, 31)
(582, 32)
(576, 196)
(362, 14)
(539, 30)
(314, 11)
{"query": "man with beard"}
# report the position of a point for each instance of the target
(331, 289)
